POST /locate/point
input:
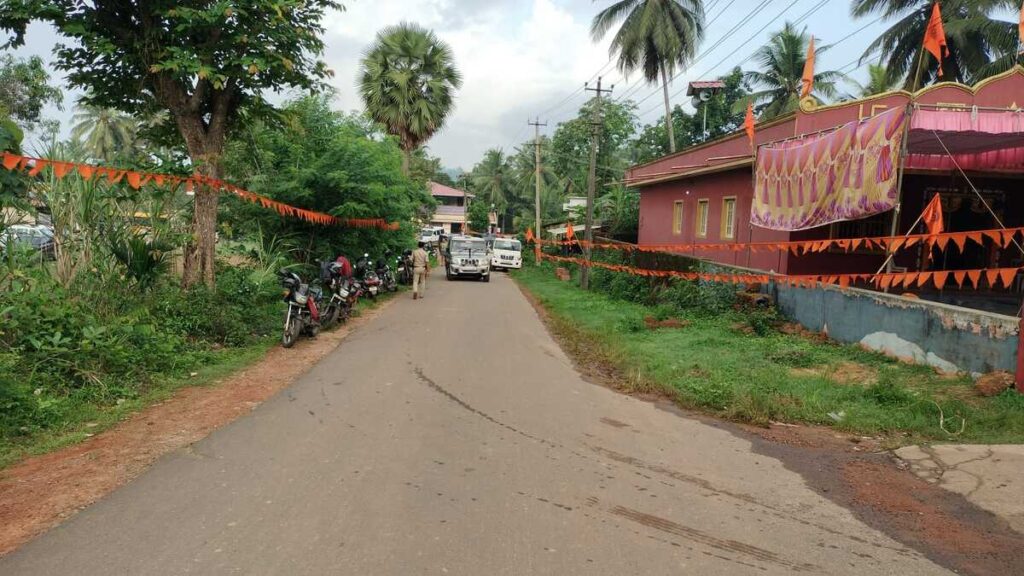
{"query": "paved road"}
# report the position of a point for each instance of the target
(452, 436)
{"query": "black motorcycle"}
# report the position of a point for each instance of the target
(405, 268)
(367, 276)
(386, 274)
(339, 307)
(303, 314)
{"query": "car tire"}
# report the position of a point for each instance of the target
(448, 274)
(486, 278)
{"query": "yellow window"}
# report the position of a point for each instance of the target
(728, 218)
(677, 217)
(702, 218)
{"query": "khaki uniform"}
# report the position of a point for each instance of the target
(420, 264)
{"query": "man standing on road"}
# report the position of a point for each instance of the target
(420, 268)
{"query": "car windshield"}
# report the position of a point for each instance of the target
(503, 244)
(463, 245)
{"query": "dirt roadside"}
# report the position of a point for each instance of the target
(852, 471)
(42, 491)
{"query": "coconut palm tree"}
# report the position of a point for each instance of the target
(979, 45)
(408, 82)
(781, 64)
(656, 36)
(105, 133)
(878, 82)
(491, 177)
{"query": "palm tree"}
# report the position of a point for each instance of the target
(978, 44)
(491, 177)
(408, 82)
(878, 82)
(108, 133)
(656, 36)
(781, 63)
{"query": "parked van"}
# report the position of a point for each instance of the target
(507, 253)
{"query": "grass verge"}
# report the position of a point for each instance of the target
(714, 364)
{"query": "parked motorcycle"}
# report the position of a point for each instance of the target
(365, 273)
(303, 314)
(386, 274)
(405, 268)
(339, 307)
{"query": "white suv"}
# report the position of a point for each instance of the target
(508, 253)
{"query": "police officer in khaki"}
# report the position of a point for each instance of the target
(420, 269)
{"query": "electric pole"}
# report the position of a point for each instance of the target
(588, 231)
(536, 197)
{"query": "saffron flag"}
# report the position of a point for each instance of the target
(935, 37)
(569, 233)
(932, 216)
(748, 123)
(529, 235)
(808, 78)
(1020, 29)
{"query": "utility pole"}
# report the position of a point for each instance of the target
(588, 231)
(536, 197)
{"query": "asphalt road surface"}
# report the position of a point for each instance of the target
(451, 435)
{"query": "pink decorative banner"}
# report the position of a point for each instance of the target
(847, 174)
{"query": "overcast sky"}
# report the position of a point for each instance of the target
(521, 58)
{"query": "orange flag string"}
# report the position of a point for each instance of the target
(138, 179)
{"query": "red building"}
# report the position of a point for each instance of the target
(704, 194)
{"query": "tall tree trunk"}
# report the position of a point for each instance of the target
(668, 113)
(406, 159)
(205, 149)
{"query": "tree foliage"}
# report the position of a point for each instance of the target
(408, 81)
(780, 69)
(327, 161)
(979, 44)
(25, 89)
(571, 144)
(200, 61)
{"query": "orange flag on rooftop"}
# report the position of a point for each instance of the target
(748, 123)
(932, 216)
(808, 77)
(935, 37)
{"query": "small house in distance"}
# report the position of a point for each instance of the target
(452, 205)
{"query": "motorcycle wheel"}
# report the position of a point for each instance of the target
(291, 334)
(333, 313)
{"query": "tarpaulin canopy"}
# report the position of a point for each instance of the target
(846, 174)
(976, 139)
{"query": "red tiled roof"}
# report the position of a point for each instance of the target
(442, 190)
(704, 85)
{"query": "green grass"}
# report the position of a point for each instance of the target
(85, 418)
(716, 366)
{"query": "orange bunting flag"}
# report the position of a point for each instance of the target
(11, 161)
(529, 235)
(748, 123)
(1007, 275)
(932, 215)
(570, 234)
(808, 77)
(935, 37)
(1020, 29)
(940, 279)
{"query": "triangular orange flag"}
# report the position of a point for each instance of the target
(529, 234)
(911, 240)
(844, 281)
(991, 276)
(11, 161)
(935, 37)
(85, 171)
(1007, 275)
(1007, 237)
(40, 164)
(748, 123)
(60, 169)
(134, 180)
(974, 276)
(958, 276)
(855, 243)
(896, 243)
(992, 235)
(808, 76)
(940, 279)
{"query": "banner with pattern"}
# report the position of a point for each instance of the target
(847, 174)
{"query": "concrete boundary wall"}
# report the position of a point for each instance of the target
(947, 337)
